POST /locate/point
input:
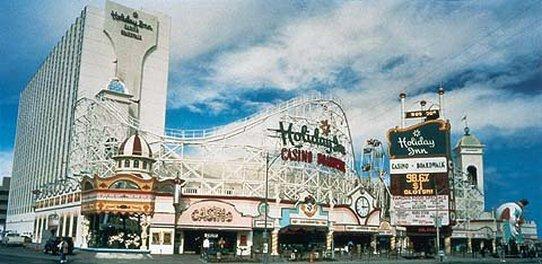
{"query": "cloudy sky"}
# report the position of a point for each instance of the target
(231, 58)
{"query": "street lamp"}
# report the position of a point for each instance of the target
(178, 183)
(268, 164)
(438, 221)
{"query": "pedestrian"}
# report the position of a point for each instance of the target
(350, 246)
(206, 245)
(63, 248)
(373, 246)
(221, 243)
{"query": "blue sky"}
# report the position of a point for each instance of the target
(231, 58)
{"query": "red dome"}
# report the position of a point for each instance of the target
(135, 146)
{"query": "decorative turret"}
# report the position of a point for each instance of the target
(469, 152)
(134, 156)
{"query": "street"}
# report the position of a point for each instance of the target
(29, 256)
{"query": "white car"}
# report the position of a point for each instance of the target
(12, 239)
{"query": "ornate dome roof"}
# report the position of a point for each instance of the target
(469, 140)
(135, 145)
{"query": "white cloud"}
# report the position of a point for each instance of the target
(363, 36)
(394, 47)
(198, 27)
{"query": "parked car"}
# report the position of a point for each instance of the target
(27, 238)
(51, 246)
(12, 239)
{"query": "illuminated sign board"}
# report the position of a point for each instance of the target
(423, 140)
(305, 145)
(418, 184)
(419, 165)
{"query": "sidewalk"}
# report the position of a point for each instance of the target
(29, 256)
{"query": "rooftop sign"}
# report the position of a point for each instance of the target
(298, 138)
(319, 138)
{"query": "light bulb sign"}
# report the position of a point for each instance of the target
(427, 139)
(317, 145)
(419, 184)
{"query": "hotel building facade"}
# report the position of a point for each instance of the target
(117, 48)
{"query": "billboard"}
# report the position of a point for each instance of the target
(428, 139)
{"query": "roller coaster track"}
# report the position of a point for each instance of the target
(98, 121)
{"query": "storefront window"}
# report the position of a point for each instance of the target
(115, 231)
(243, 241)
(167, 238)
(156, 238)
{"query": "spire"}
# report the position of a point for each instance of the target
(466, 129)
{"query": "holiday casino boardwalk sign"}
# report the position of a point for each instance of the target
(311, 145)
(428, 139)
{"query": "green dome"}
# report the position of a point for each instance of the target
(469, 140)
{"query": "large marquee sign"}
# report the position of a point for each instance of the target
(318, 145)
(423, 140)
(419, 157)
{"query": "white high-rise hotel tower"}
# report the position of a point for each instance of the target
(119, 49)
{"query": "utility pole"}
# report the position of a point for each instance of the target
(268, 164)
(178, 182)
(437, 223)
(266, 206)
